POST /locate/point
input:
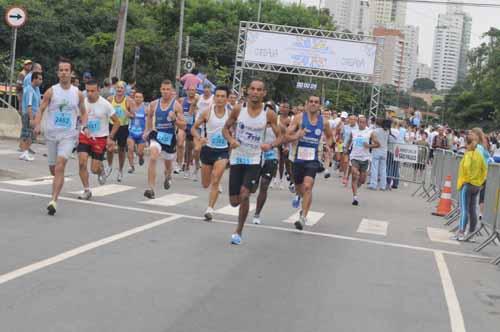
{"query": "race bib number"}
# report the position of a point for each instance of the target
(119, 112)
(164, 138)
(94, 126)
(63, 120)
(218, 141)
(190, 120)
(136, 130)
(270, 155)
(242, 161)
(359, 142)
(305, 153)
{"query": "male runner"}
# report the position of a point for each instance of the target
(307, 128)
(64, 103)
(352, 123)
(360, 155)
(136, 128)
(215, 150)
(100, 113)
(247, 145)
(185, 143)
(232, 101)
(284, 121)
(124, 110)
(163, 118)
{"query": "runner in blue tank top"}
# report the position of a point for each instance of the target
(136, 128)
(163, 118)
(306, 129)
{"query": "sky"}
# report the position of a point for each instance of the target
(425, 16)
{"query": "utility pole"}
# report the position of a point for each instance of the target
(259, 10)
(179, 46)
(117, 61)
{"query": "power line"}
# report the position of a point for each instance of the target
(468, 4)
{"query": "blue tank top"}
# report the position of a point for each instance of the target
(186, 105)
(307, 146)
(138, 123)
(165, 127)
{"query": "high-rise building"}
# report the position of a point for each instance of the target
(393, 70)
(423, 71)
(451, 45)
(389, 12)
(352, 15)
(410, 55)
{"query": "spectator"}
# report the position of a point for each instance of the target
(31, 103)
(483, 148)
(189, 80)
(378, 174)
(112, 89)
(106, 90)
(440, 141)
(37, 68)
(27, 65)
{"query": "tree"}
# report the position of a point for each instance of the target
(424, 84)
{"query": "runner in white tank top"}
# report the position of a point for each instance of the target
(247, 147)
(202, 105)
(215, 150)
(64, 103)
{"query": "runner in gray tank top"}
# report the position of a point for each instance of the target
(247, 145)
(63, 103)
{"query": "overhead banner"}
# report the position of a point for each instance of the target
(339, 55)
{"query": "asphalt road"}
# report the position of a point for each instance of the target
(117, 263)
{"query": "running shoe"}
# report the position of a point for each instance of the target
(236, 239)
(327, 173)
(291, 188)
(355, 202)
(220, 189)
(298, 224)
(51, 208)
(149, 193)
(458, 237)
(86, 195)
(141, 161)
(119, 177)
(108, 170)
(186, 174)
(22, 156)
(209, 214)
(177, 170)
(256, 220)
(102, 177)
(167, 183)
(194, 176)
(296, 201)
(131, 169)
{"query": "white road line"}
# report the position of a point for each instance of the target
(441, 235)
(8, 151)
(80, 250)
(456, 318)
(370, 226)
(34, 182)
(233, 211)
(312, 218)
(290, 230)
(106, 190)
(170, 200)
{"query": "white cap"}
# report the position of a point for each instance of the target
(344, 115)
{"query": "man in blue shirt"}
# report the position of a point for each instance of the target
(30, 106)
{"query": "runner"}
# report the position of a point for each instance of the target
(163, 117)
(352, 123)
(284, 120)
(232, 101)
(185, 143)
(269, 168)
(215, 150)
(100, 113)
(64, 102)
(306, 129)
(251, 122)
(136, 128)
(360, 139)
(124, 110)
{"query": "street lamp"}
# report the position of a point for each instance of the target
(179, 45)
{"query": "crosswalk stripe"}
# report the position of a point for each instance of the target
(8, 151)
(170, 200)
(440, 235)
(312, 218)
(33, 182)
(370, 226)
(233, 211)
(106, 190)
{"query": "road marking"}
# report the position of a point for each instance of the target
(170, 200)
(233, 211)
(80, 250)
(441, 235)
(34, 182)
(290, 230)
(8, 151)
(106, 190)
(370, 226)
(456, 318)
(312, 218)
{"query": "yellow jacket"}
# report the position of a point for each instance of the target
(473, 169)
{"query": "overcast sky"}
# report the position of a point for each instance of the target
(425, 16)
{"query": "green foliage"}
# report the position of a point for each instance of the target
(424, 84)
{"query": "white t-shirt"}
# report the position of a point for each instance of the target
(99, 114)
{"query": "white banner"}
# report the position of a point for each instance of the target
(310, 52)
(406, 153)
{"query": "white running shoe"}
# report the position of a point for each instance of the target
(119, 177)
(209, 214)
(108, 170)
(22, 156)
(256, 220)
(29, 157)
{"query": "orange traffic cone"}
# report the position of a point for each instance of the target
(444, 206)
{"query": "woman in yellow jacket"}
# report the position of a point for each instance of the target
(471, 176)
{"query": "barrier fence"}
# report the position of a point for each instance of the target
(446, 163)
(407, 163)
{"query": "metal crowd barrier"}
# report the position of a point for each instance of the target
(407, 163)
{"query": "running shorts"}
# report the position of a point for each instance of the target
(269, 169)
(167, 152)
(303, 169)
(210, 156)
(120, 136)
(95, 147)
(243, 176)
(136, 139)
(361, 165)
(59, 148)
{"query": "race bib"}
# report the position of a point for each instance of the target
(136, 130)
(359, 142)
(164, 138)
(218, 141)
(305, 153)
(62, 120)
(270, 155)
(242, 161)
(94, 126)
(119, 112)
(190, 120)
